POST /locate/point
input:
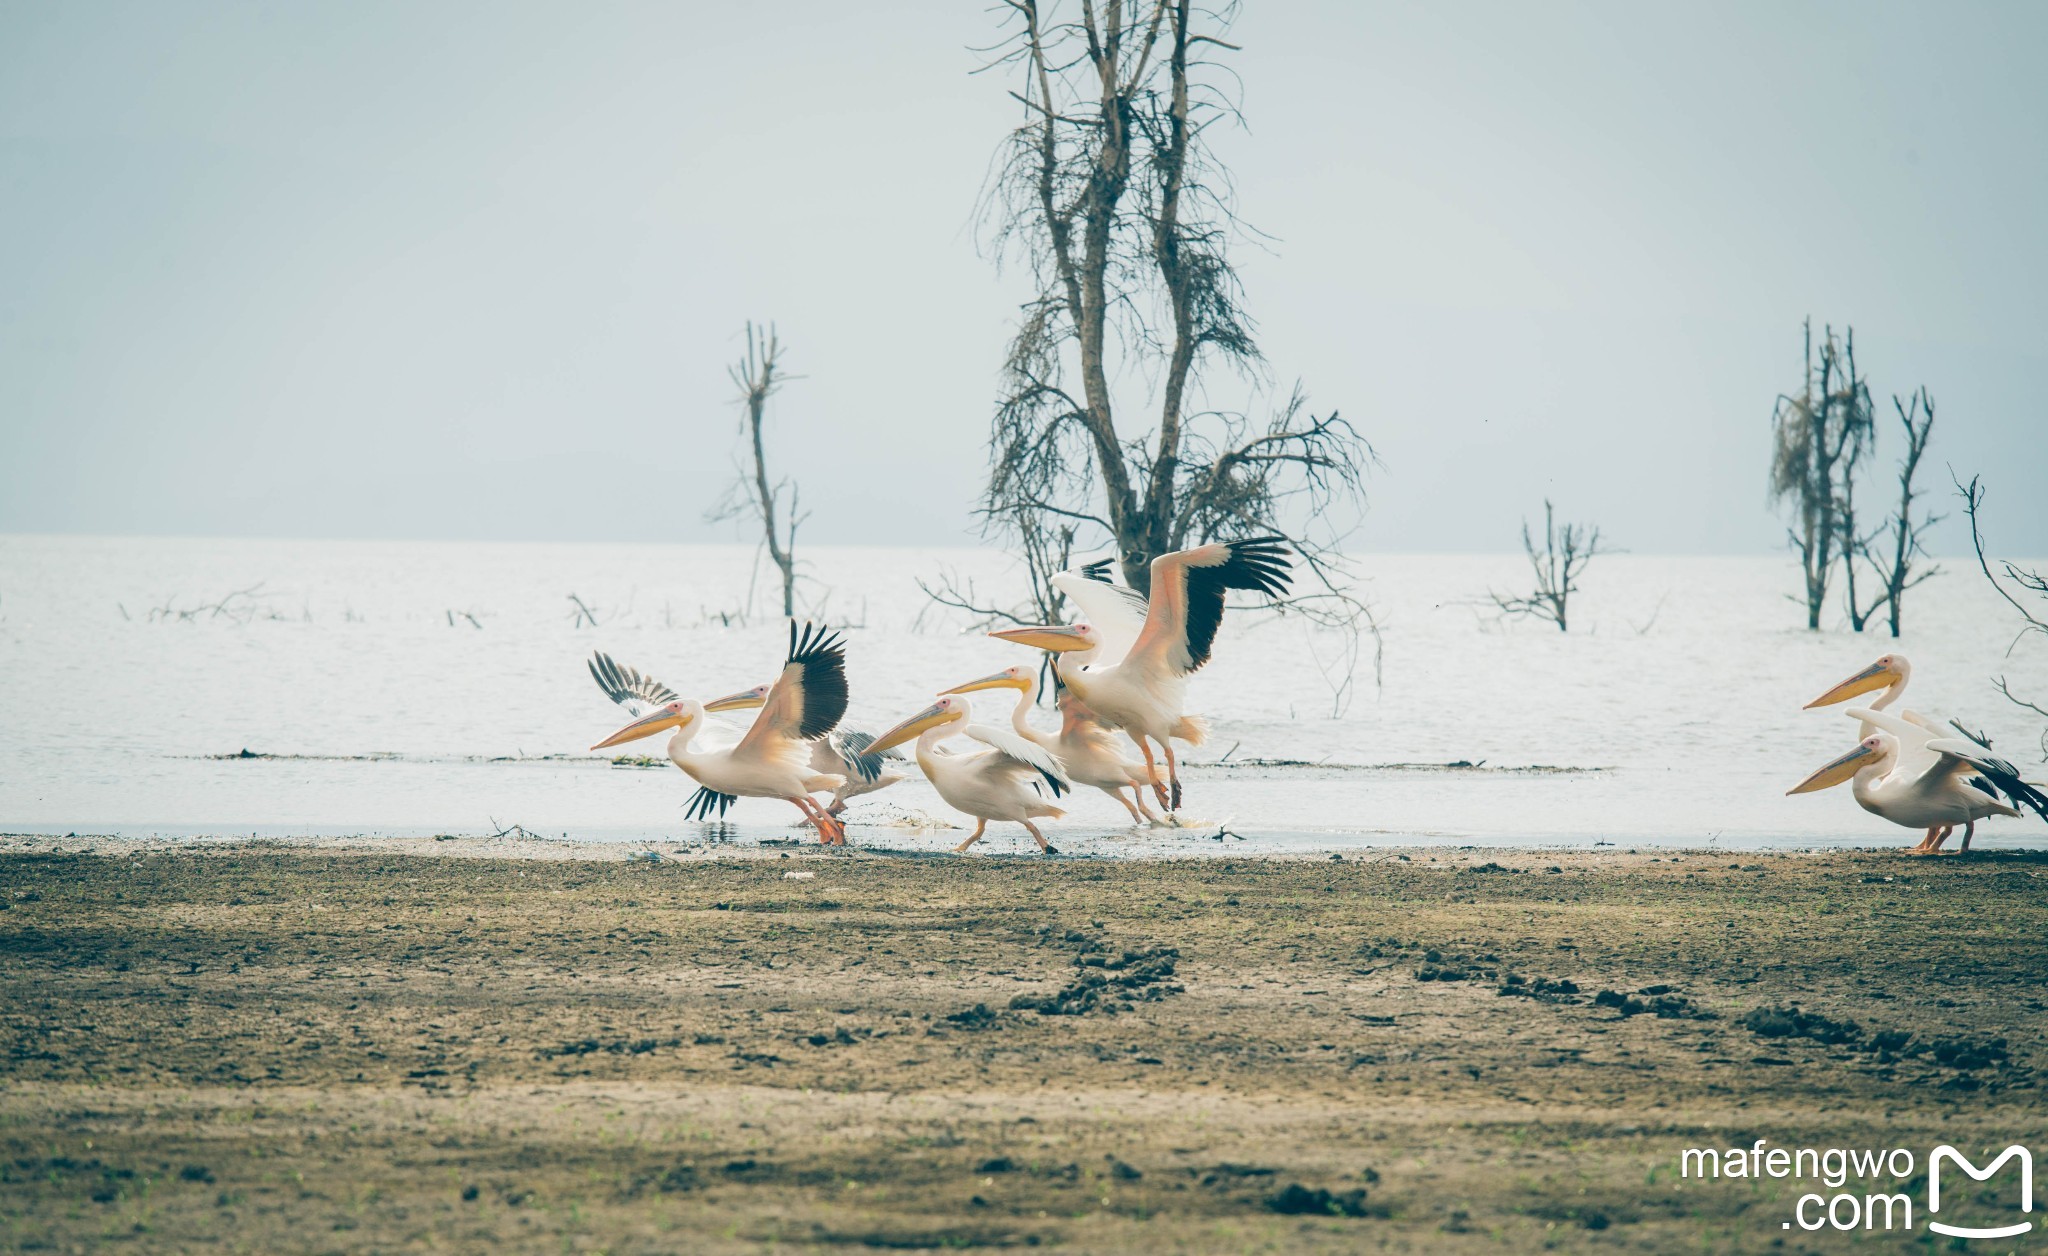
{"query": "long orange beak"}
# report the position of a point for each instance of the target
(931, 717)
(1835, 773)
(744, 700)
(1875, 676)
(1058, 638)
(646, 726)
(999, 680)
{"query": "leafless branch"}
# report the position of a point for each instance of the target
(1565, 555)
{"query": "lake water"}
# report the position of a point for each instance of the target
(419, 688)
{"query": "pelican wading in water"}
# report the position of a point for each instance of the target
(843, 752)
(1086, 749)
(773, 759)
(1934, 785)
(1144, 692)
(1015, 779)
(1919, 745)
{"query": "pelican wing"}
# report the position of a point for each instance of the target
(851, 744)
(1915, 759)
(706, 801)
(1188, 589)
(1957, 755)
(1118, 613)
(806, 701)
(637, 693)
(1025, 754)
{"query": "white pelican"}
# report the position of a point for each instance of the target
(844, 752)
(1083, 746)
(1891, 674)
(1144, 692)
(1916, 733)
(1011, 780)
(773, 759)
(1937, 797)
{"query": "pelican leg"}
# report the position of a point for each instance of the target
(980, 827)
(1941, 837)
(1118, 794)
(830, 831)
(1172, 772)
(1152, 771)
(1139, 796)
(1044, 846)
(1969, 831)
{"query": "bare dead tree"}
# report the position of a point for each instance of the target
(1820, 436)
(759, 375)
(2010, 577)
(1894, 549)
(1109, 193)
(1566, 553)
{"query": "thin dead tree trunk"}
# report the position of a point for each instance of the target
(1820, 438)
(1917, 418)
(1114, 200)
(759, 375)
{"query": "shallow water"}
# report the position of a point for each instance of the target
(1674, 702)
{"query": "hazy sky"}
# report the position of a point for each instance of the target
(474, 270)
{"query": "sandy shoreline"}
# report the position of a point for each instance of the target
(539, 1045)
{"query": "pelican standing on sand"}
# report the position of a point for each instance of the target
(1014, 779)
(1916, 754)
(1083, 746)
(773, 760)
(1144, 693)
(1930, 786)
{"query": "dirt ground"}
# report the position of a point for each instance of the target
(268, 1049)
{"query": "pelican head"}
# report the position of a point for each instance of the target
(1870, 752)
(1890, 670)
(673, 715)
(744, 700)
(1059, 638)
(945, 711)
(1008, 678)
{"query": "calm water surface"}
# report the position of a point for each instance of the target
(440, 687)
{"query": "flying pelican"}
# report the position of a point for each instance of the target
(844, 752)
(1937, 797)
(1144, 692)
(1083, 746)
(773, 759)
(1008, 781)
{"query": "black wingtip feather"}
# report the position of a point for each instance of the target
(822, 655)
(1257, 564)
(1098, 570)
(704, 802)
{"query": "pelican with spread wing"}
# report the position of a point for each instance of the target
(1918, 740)
(1144, 692)
(773, 759)
(1087, 750)
(843, 752)
(1934, 786)
(1014, 779)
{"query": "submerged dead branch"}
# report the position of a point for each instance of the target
(2034, 619)
(1565, 555)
